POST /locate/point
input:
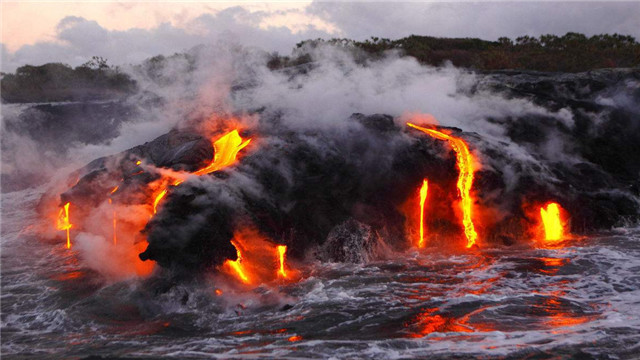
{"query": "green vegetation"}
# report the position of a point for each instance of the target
(571, 52)
(94, 80)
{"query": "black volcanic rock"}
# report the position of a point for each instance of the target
(210, 228)
(343, 189)
(177, 150)
(297, 188)
(605, 105)
(352, 242)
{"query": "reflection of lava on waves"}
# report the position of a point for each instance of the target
(429, 322)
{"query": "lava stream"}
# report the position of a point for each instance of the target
(157, 199)
(282, 250)
(226, 150)
(423, 198)
(553, 225)
(464, 160)
(115, 237)
(64, 223)
(236, 265)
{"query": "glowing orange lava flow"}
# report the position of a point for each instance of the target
(553, 226)
(157, 200)
(63, 222)
(282, 250)
(237, 265)
(115, 237)
(423, 199)
(226, 149)
(464, 160)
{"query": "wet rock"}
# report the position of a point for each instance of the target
(377, 122)
(179, 150)
(192, 232)
(352, 242)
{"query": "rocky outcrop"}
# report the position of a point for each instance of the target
(343, 189)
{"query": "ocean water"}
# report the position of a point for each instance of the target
(580, 301)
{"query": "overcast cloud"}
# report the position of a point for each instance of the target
(76, 39)
(488, 20)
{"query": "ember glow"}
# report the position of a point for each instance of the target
(282, 250)
(464, 161)
(64, 223)
(552, 222)
(423, 199)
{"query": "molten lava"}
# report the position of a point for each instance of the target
(236, 265)
(260, 261)
(553, 225)
(115, 237)
(157, 199)
(282, 250)
(464, 161)
(226, 149)
(64, 223)
(423, 199)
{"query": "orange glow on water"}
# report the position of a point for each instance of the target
(552, 222)
(464, 161)
(423, 198)
(295, 338)
(558, 315)
(282, 250)
(64, 223)
(428, 322)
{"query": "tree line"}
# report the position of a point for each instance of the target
(93, 80)
(572, 52)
